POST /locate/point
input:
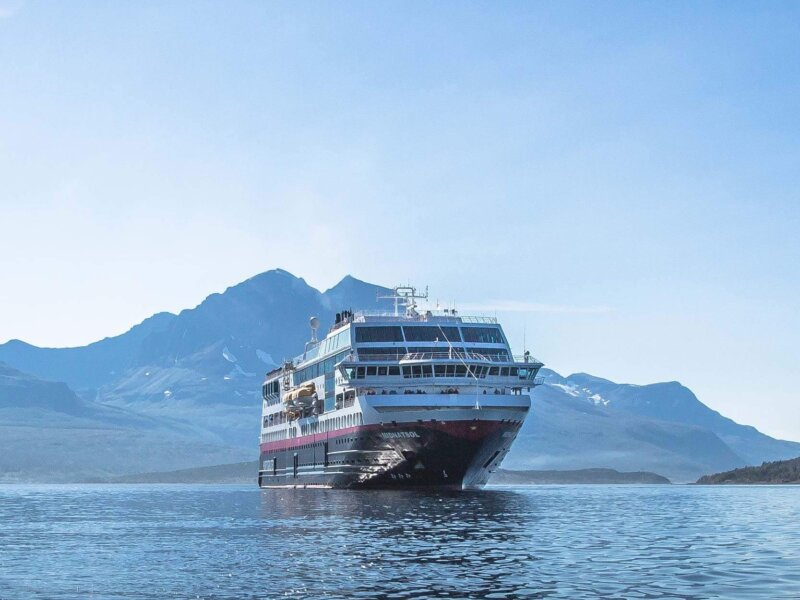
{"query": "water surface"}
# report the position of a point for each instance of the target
(543, 542)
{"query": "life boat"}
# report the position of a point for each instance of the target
(301, 396)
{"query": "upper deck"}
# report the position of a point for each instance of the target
(384, 337)
(377, 353)
(401, 336)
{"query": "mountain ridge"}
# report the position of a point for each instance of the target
(200, 371)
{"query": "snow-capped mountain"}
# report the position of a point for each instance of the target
(198, 374)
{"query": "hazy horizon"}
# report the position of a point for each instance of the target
(617, 182)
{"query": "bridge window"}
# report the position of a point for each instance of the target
(379, 334)
(380, 353)
(427, 333)
(394, 370)
(483, 335)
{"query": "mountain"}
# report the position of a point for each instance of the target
(84, 366)
(661, 427)
(671, 402)
(205, 364)
(48, 433)
(226, 334)
(196, 377)
(782, 471)
(565, 432)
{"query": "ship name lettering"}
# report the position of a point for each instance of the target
(399, 434)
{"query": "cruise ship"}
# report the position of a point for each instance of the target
(410, 398)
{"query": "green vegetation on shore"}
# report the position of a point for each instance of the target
(780, 471)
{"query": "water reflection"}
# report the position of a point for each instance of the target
(405, 544)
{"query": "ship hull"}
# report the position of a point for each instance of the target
(452, 454)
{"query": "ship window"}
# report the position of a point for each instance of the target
(504, 372)
(461, 370)
(427, 371)
(360, 373)
(483, 335)
(406, 371)
(513, 371)
(494, 371)
(379, 334)
(427, 333)
(394, 370)
(416, 370)
(451, 371)
(372, 371)
(439, 370)
(379, 353)
(381, 370)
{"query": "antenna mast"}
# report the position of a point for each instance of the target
(408, 296)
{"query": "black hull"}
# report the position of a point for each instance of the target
(451, 455)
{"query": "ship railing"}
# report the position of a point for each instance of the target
(527, 358)
(362, 357)
(474, 319)
(362, 315)
(451, 355)
(455, 355)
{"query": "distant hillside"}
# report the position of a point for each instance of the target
(49, 434)
(588, 476)
(780, 471)
(243, 472)
(247, 472)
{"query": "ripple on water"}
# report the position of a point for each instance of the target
(546, 542)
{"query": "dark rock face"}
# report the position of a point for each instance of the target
(781, 471)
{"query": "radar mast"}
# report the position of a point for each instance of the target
(407, 296)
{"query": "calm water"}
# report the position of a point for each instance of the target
(544, 542)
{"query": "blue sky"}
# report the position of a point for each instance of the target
(617, 180)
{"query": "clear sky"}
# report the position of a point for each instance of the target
(620, 181)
